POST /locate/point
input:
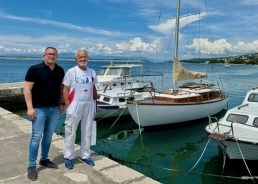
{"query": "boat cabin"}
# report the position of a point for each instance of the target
(111, 72)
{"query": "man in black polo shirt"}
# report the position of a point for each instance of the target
(42, 89)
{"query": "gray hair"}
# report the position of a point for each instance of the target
(80, 50)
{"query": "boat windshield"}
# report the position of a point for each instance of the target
(111, 71)
(126, 72)
(237, 118)
(102, 71)
(253, 97)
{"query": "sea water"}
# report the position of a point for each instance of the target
(170, 154)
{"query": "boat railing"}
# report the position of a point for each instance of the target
(215, 120)
(241, 106)
(212, 120)
(141, 75)
(134, 77)
(123, 94)
(230, 133)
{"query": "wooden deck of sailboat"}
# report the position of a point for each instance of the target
(168, 98)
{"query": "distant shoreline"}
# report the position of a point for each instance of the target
(64, 59)
(30, 58)
(249, 59)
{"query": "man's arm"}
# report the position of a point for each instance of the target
(61, 102)
(95, 94)
(28, 98)
(66, 90)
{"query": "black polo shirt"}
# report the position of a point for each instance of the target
(47, 82)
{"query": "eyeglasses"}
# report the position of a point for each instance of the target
(51, 54)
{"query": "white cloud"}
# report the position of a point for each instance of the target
(101, 49)
(246, 47)
(64, 43)
(148, 12)
(138, 45)
(222, 46)
(168, 26)
(204, 46)
(64, 25)
(250, 2)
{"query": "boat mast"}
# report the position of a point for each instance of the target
(176, 38)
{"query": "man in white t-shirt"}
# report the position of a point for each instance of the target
(80, 96)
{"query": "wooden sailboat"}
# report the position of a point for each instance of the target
(188, 102)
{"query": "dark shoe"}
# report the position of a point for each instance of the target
(32, 173)
(48, 163)
(87, 161)
(69, 164)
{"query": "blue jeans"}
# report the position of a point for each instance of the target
(43, 125)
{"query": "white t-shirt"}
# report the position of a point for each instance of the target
(81, 81)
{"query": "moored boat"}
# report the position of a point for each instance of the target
(190, 101)
(236, 133)
(116, 84)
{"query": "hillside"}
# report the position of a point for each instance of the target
(250, 59)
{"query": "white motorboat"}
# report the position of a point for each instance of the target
(187, 102)
(116, 84)
(237, 132)
(121, 76)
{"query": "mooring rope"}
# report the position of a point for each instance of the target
(116, 119)
(240, 151)
(213, 175)
(224, 161)
(197, 173)
(138, 120)
(200, 156)
(112, 112)
(142, 144)
(203, 149)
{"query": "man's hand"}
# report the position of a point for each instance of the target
(31, 113)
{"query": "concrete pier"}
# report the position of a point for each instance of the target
(11, 95)
(14, 136)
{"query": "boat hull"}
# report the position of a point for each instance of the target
(110, 111)
(161, 114)
(248, 150)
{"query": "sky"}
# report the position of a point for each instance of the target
(129, 28)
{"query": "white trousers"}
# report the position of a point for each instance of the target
(83, 112)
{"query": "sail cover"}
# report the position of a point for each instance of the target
(180, 73)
